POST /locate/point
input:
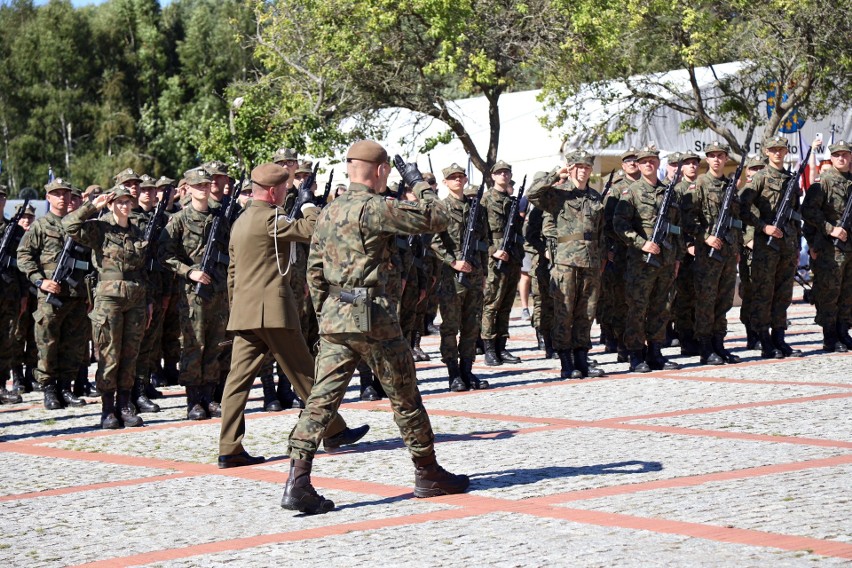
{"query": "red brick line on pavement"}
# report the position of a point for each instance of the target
(728, 380)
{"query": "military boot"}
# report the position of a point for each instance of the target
(504, 353)
(539, 337)
(51, 398)
(688, 344)
(567, 361)
(30, 377)
(194, 404)
(721, 351)
(781, 344)
(371, 389)
(637, 362)
(469, 379)
(830, 341)
(657, 361)
(492, 357)
(454, 377)
(149, 388)
(409, 337)
(286, 396)
(480, 346)
(752, 339)
(19, 381)
(214, 409)
(140, 399)
(127, 414)
(767, 349)
(109, 421)
(431, 480)
(582, 366)
(708, 355)
(82, 385)
(623, 354)
(67, 396)
(300, 495)
(170, 373)
(8, 396)
(549, 352)
(270, 398)
(420, 353)
(843, 335)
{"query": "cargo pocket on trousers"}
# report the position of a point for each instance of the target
(100, 329)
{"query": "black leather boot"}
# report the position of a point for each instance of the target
(688, 344)
(8, 396)
(431, 480)
(170, 373)
(781, 344)
(409, 336)
(504, 353)
(51, 397)
(195, 404)
(830, 342)
(843, 335)
(566, 359)
(708, 356)
(127, 414)
(67, 396)
(752, 339)
(549, 352)
(140, 399)
(29, 377)
(150, 390)
(539, 337)
(767, 348)
(637, 362)
(657, 361)
(492, 357)
(371, 389)
(469, 379)
(82, 385)
(300, 495)
(214, 409)
(286, 396)
(454, 377)
(719, 348)
(20, 382)
(270, 398)
(581, 365)
(420, 353)
(109, 421)
(480, 346)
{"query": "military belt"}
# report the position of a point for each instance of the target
(350, 295)
(118, 275)
(575, 237)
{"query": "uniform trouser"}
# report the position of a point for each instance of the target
(149, 351)
(408, 302)
(24, 350)
(433, 288)
(745, 287)
(461, 315)
(542, 316)
(832, 290)
(60, 335)
(683, 306)
(202, 331)
(647, 296)
(170, 344)
(391, 361)
(500, 290)
(118, 325)
(772, 275)
(714, 290)
(249, 353)
(10, 307)
(612, 286)
(575, 296)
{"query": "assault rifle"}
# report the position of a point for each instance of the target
(662, 226)
(323, 201)
(470, 248)
(212, 255)
(307, 183)
(509, 232)
(725, 222)
(7, 252)
(608, 185)
(785, 212)
(155, 227)
(845, 224)
(65, 267)
(235, 196)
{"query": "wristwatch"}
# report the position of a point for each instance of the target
(38, 283)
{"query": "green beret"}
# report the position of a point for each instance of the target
(127, 175)
(580, 157)
(776, 142)
(285, 155)
(269, 174)
(453, 168)
(57, 184)
(648, 151)
(197, 176)
(367, 151)
(717, 146)
(840, 146)
(500, 165)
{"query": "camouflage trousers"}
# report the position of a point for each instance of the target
(170, 342)
(647, 296)
(772, 275)
(9, 310)
(500, 290)
(461, 316)
(24, 350)
(118, 325)
(408, 303)
(149, 351)
(542, 316)
(393, 365)
(614, 309)
(745, 286)
(714, 290)
(60, 335)
(575, 298)
(683, 304)
(832, 290)
(203, 325)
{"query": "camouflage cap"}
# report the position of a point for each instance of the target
(539, 175)
(305, 167)
(500, 165)
(755, 161)
(76, 191)
(120, 191)
(674, 158)
(689, 155)
(93, 190)
(57, 184)
(164, 181)
(840, 146)
(197, 176)
(631, 152)
(717, 146)
(127, 175)
(285, 155)
(429, 177)
(649, 150)
(453, 168)
(580, 157)
(269, 174)
(30, 210)
(147, 182)
(216, 168)
(367, 151)
(776, 142)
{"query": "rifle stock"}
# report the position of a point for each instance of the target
(469, 243)
(785, 212)
(725, 222)
(662, 226)
(509, 232)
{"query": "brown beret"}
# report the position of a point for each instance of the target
(367, 151)
(269, 174)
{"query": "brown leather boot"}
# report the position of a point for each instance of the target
(431, 480)
(300, 495)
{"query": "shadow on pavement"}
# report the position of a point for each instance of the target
(511, 477)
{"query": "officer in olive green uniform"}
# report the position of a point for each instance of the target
(831, 248)
(578, 215)
(59, 323)
(121, 309)
(772, 271)
(647, 285)
(460, 302)
(347, 272)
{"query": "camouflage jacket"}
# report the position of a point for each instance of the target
(497, 205)
(448, 244)
(701, 204)
(534, 242)
(352, 248)
(12, 283)
(619, 184)
(160, 280)
(39, 252)
(635, 215)
(823, 206)
(578, 220)
(759, 200)
(183, 241)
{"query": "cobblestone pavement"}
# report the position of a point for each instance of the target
(735, 465)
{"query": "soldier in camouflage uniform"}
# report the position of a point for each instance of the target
(578, 217)
(647, 286)
(683, 303)
(714, 278)
(12, 306)
(23, 349)
(501, 285)
(169, 349)
(347, 273)
(460, 304)
(203, 320)
(754, 165)
(822, 209)
(772, 271)
(122, 308)
(536, 246)
(59, 325)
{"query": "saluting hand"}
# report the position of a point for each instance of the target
(102, 200)
(198, 276)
